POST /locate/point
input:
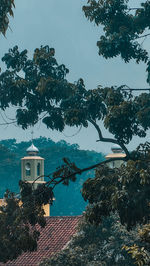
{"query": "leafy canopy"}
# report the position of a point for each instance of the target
(17, 225)
(39, 89)
(123, 27)
(6, 9)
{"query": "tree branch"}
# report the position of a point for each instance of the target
(131, 89)
(134, 8)
(79, 172)
(143, 36)
(54, 180)
(102, 139)
(127, 88)
(7, 123)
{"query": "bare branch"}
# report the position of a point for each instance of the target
(143, 36)
(127, 88)
(131, 89)
(85, 170)
(60, 179)
(134, 8)
(7, 123)
(54, 181)
(102, 139)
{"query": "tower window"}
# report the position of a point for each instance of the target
(38, 169)
(28, 169)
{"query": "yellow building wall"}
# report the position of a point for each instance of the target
(46, 210)
(45, 207)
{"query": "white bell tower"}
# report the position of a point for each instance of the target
(117, 153)
(32, 167)
(32, 171)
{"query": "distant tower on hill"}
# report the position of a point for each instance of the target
(32, 167)
(32, 170)
(117, 153)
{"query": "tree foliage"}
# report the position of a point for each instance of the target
(18, 219)
(38, 87)
(96, 245)
(123, 27)
(6, 10)
(125, 190)
(40, 91)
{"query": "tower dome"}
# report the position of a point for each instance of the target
(32, 150)
(32, 166)
(116, 149)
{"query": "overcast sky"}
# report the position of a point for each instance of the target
(61, 24)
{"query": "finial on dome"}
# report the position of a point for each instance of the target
(32, 150)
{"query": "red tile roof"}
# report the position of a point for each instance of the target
(53, 238)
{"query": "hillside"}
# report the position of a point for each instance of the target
(68, 199)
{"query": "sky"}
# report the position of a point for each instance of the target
(61, 24)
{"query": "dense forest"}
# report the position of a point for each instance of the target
(68, 199)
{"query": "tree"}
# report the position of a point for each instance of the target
(18, 219)
(123, 27)
(96, 245)
(42, 91)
